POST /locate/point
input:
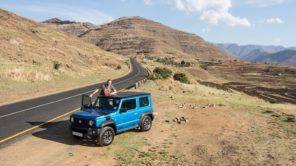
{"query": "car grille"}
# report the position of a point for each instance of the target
(80, 122)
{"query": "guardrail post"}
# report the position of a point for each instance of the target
(140, 83)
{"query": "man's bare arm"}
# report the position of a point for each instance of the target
(114, 91)
(96, 91)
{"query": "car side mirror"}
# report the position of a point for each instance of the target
(122, 110)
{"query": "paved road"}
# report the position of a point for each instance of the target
(18, 117)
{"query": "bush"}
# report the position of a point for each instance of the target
(181, 77)
(184, 64)
(56, 65)
(171, 61)
(162, 73)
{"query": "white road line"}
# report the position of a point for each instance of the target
(45, 104)
(41, 105)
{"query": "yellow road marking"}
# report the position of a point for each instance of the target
(35, 127)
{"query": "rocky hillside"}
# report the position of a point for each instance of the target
(75, 28)
(36, 59)
(24, 42)
(130, 35)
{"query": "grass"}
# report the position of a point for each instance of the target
(36, 59)
(130, 153)
(29, 81)
(128, 144)
(267, 133)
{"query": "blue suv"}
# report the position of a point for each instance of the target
(110, 115)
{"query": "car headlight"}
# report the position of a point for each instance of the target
(91, 122)
(72, 119)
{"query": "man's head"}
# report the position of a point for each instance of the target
(109, 82)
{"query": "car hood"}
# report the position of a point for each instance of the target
(91, 115)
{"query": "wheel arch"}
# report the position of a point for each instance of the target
(150, 114)
(110, 123)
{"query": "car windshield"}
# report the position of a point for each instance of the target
(106, 104)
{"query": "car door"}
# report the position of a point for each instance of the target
(86, 102)
(127, 116)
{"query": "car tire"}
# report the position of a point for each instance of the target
(146, 123)
(106, 136)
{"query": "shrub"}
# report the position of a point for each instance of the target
(171, 61)
(181, 77)
(56, 65)
(184, 64)
(162, 73)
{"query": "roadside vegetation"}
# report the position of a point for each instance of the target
(169, 61)
(181, 77)
(165, 73)
(160, 73)
(26, 81)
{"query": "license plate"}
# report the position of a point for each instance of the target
(77, 134)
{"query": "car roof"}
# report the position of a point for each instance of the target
(129, 94)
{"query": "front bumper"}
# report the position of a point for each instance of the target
(89, 133)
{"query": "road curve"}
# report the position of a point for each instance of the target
(16, 118)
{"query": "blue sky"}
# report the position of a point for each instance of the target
(266, 22)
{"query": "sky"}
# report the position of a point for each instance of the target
(264, 22)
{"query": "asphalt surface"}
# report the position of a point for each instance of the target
(17, 117)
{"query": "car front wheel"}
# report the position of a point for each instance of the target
(106, 136)
(146, 123)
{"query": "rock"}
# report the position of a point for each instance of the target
(268, 112)
(181, 120)
(275, 115)
(290, 118)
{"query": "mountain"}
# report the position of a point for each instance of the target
(261, 53)
(137, 35)
(249, 52)
(287, 57)
(31, 49)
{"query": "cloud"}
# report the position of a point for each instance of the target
(212, 11)
(274, 20)
(79, 14)
(148, 2)
(265, 3)
(206, 30)
(277, 40)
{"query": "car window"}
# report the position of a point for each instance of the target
(144, 101)
(106, 103)
(86, 101)
(129, 104)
